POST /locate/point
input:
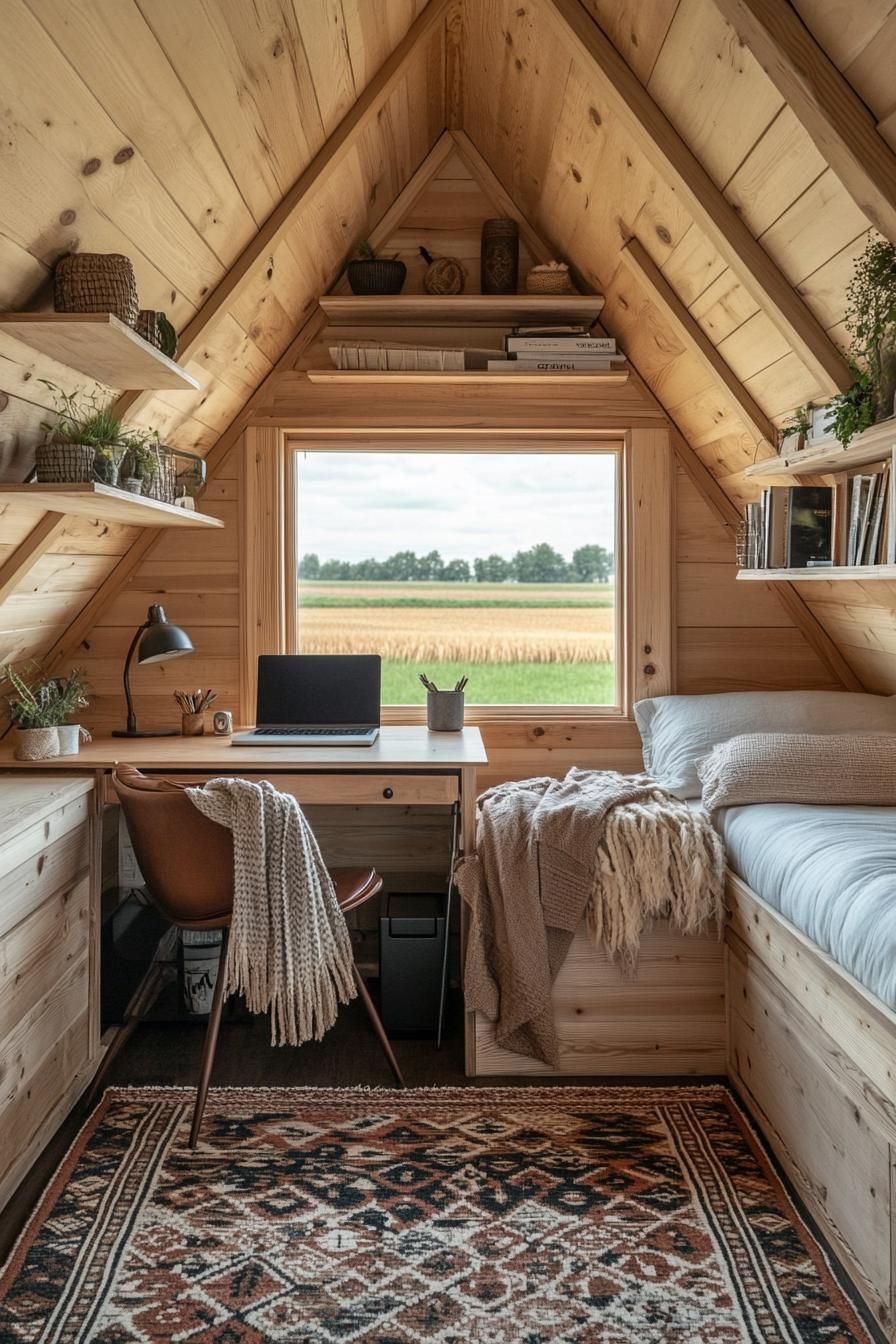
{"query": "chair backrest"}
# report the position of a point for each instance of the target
(186, 859)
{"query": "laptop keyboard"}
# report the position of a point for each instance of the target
(310, 732)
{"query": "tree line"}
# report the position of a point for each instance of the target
(539, 564)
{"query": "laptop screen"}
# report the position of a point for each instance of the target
(318, 690)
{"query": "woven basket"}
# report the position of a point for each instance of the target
(554, 281)
(65, 462)
(95, 282)
(147, 326)
(376, 275)
(36, 744)
(444, 275)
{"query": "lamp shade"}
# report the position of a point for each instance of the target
(160, 640)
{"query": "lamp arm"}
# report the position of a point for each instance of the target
(132, 717)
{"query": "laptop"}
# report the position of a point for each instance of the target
(316, 700)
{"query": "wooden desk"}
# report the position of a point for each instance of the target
(406, 766)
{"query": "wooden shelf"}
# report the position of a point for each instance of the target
(91, 499)
(609, 377)
(819, 574)
(100, 346)
(828, 456)
(485, 310)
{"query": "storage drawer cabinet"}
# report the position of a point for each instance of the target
(47, 1004)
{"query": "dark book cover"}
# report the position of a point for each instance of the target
(811, 525)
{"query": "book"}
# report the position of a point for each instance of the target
(553, 364)
(866, 505)
(562, 345)
(890, 552)
(778, 506)
(809, 531)
(877, 516)
(550, 329)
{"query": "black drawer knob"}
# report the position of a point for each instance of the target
(388, 793)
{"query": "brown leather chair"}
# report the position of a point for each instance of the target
(187, 861)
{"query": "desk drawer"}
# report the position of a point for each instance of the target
(332, 788)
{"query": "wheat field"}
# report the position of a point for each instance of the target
(463, 634)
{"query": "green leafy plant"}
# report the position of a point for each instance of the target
(365, 251)
(854, 410)
(798, 423)
(81, 417)
(142, 449)
(41, 701)
(871, 323)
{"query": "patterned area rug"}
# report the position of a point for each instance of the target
(507, 1216)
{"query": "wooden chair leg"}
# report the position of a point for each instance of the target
(378, 1027)
(211, 1043)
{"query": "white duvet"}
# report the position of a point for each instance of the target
(832, 872)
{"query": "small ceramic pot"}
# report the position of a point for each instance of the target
(192, 725)
(69, 735)
(445, 711)
(36, 744)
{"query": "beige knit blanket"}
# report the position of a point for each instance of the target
(614, 849)
(289, 951)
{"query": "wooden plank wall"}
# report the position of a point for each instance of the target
(123, 132)
(584, 183)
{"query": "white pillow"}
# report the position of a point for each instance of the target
(677, 730)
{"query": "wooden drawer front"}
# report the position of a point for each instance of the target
(329, 788)
(38, 1061)
(36, 953)
(827, 1131)
(56, 867)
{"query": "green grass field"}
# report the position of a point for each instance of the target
(505, 683)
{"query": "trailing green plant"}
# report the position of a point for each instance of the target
(871, 323)
(41, 701)
(854, 410)
(142, 448)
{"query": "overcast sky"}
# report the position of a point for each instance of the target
(352, 506)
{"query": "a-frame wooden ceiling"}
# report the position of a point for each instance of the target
(238, 152)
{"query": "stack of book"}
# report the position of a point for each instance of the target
(790, 527)
(868, 534)
(555, 349)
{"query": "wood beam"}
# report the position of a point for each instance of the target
(336, 148)
(825, 103)
(707, 206)
(454, 67)
(28, 552)
(695, 338)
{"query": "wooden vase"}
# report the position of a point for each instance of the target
(499, 255)
(192, 725)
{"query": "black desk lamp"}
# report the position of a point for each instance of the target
(158, 640)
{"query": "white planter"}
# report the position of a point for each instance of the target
(69, 738)
(36, 744)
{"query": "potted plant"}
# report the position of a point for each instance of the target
(84, 439)
(38, 709)
(871, 323)
(142, 460)
(70, 695)
(370, 274)
(795, 430)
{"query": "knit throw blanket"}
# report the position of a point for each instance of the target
(614, 849)
(289, 951)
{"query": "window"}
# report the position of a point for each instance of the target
(497, 566)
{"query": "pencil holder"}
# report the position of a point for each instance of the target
(192, 725)
(444, 711)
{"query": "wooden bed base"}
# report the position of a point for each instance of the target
(668, 1019)
(813, 1056)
